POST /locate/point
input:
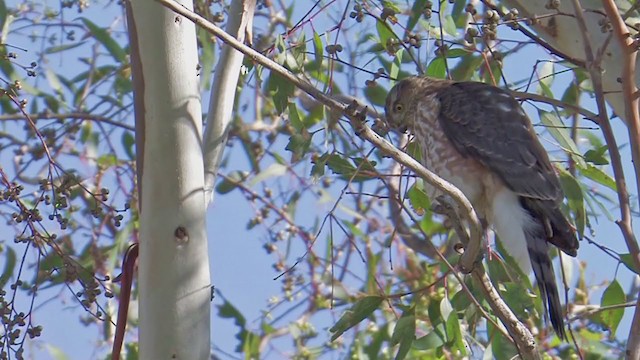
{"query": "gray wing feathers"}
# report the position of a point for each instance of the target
(488, 124)
(485, 122)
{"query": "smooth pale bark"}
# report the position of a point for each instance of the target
(173, 269)
(223, 91)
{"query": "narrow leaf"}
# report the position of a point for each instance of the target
(358, 312)
(627, 260)
(9, 266)
(561, 134)
(404, 333)
(575, 198)
(598, 176)
(318, 50)
(103, 36)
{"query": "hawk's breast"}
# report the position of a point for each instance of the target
(441, 157)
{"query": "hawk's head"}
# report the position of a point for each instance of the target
(397, 104)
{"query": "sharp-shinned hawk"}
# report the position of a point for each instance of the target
(478, 137)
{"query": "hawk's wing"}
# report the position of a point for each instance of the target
(488, 124)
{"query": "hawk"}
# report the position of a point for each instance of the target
(478, 137)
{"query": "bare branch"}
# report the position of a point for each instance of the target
(72, 115)
(555, 102)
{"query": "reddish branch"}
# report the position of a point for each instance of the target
(126, 280)
(632, 116)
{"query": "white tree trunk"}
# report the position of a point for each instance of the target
(173, 272)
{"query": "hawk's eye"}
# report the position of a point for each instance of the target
(399, 107)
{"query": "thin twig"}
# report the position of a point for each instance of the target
(72, 115)
(555, 102)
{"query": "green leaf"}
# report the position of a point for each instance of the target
(280, 90)
(627, 260)
(340, 165)
(384, 33)
(231, 182)
(598, 176)
(294, 117)
(561, 134)
(107, 160)
(358, 312)
(133, 351)
(53, 80)
(575, 198)
(404, 333)
(466, 67)
(319, 164)
(318, 50)
(430, 341)
(454, 334)
(419, 6)
(596, 156)
(129, 144)
(9, 266)
(3, 14)
(299, 145)
(396, 65)
(363, 169)
(418, 199)
(62, 48)
(449, 26)
(207, 58)
(517, 297)
(437, 68)
(246, 338)
(501, 348)
(103, 36)
(570, 95)
(613, 295)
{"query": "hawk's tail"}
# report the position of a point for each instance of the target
(524, 236)
(538, 248)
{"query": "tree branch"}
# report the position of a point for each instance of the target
(630, 92)
(71, 115)
(223, 92)
(555, 102)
